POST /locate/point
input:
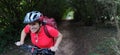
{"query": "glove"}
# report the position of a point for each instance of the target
(18, 43)
(54, 48)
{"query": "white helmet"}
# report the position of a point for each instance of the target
(32, 16)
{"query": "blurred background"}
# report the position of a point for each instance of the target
(89, 27)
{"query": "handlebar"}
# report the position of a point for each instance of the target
(35, 50)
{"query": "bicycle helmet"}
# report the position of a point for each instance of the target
(32, 16)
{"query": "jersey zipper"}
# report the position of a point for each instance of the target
(36, 38)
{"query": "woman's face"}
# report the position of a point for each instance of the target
(34, 27)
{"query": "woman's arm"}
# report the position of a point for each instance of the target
(22, 38)
(58, 41)
(23, 35)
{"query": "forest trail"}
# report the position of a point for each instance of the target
(77, 40)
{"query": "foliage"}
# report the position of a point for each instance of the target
(68, 14)
(105, 47)
(86, 11)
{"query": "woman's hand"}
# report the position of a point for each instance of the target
(19, 43)
(54, 48)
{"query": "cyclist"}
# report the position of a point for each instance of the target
(35, 27)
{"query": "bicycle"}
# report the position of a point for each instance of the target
(37, 51)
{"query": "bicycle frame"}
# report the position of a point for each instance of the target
(36, 51)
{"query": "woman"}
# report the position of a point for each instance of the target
(38, 36)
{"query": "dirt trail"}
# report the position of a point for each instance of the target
(77, 40)
(81, 40)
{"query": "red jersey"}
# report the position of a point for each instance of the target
(40, 39)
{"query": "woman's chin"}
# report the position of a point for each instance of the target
(33, 31)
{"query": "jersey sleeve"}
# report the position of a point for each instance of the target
(27, 29)
(53, 32)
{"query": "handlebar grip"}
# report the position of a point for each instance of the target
(29, 48)
(26, 47)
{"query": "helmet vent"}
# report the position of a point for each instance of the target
(34, 16)
(30, 16)
(36, 12)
